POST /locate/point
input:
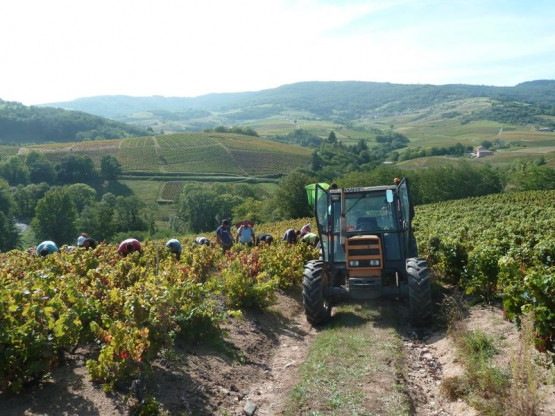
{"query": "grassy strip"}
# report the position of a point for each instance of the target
(352, 356)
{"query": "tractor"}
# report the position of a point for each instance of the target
(368, 251)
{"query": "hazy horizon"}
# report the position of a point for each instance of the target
(64, 50)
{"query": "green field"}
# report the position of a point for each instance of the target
(219, 153)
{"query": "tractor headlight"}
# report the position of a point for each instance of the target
(354, 263)
(375, 263)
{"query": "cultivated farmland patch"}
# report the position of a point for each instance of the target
(170, 190)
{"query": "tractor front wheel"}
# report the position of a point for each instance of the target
(317, 306)
(420, 294)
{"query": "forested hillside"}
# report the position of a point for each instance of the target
(346, 100)
(20, 124)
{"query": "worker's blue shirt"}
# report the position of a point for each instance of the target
(174, 245)
(50, 246)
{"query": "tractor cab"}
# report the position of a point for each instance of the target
(366, 242)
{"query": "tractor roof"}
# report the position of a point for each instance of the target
(363, 189)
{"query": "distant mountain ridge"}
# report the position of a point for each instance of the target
(348, 99)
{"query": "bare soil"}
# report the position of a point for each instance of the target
(257, 378)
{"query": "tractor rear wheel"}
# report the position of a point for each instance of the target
(420, 293)
(317, 305)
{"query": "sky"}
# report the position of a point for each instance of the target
(60, 50)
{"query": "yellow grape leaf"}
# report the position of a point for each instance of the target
(59, 329)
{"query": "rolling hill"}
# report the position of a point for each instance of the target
(23, 124)
(328, 100)
(521, 118)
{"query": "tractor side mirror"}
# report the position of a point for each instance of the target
(389, 195)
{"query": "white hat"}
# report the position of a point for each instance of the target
(80, 240)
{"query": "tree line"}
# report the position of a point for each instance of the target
(35, 168)
(59, 201)
(23, 124)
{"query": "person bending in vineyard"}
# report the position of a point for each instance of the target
(175, 247)
(202, 241)
(305, 229)
(86, 242)
(129, 246)
(223, 236)
(46, 247)
(264, 238)
(291, 236)
(311, 238)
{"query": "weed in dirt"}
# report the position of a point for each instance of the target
(482, 385)
(524, 397)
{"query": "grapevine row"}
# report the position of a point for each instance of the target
(497, 246)
(127, 309)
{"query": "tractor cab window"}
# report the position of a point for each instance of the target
(369, 212)
(374, 213)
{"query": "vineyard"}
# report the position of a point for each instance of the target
(220, 153)
(127, 309)
(127, 312)
(497, 246)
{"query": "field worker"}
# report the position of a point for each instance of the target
(129, 246)
(175, 247)
(291, 236)
(202, 241)
(245, 234)
(86, 242)
(311, 238)
(305, 229)
(223, 236)
(46, 247)
(264, 238)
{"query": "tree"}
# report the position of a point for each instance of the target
(316, 161)
(40, 168)
(75, 169)
(331, 137)
(534, 178)
(462, 180)
(55, 217)
(14, 171)
(82, 195)
(98, 220)
(361, 146)
(26, 198)
(127, 214)
(7, 202)
(250, 209)
(110, 167)
(42, 171)
(33, 157)
(9, 233)
(202, 207)
(290, 198)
